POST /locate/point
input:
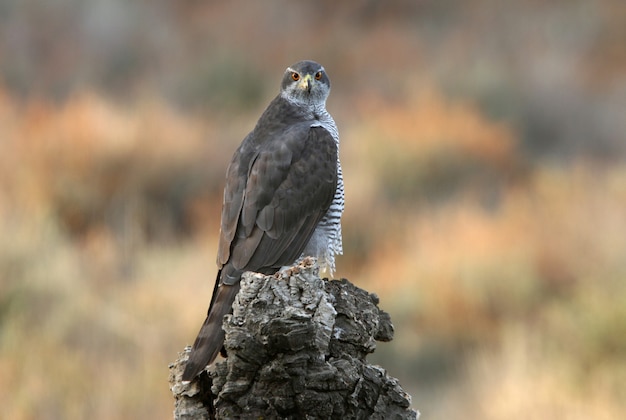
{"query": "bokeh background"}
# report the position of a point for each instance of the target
(483, 145)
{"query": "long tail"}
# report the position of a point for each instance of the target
(210, 339)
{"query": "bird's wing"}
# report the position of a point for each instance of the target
(275, 196)
(271, 209)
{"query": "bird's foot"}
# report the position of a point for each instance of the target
(287, 271)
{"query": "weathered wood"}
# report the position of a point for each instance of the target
(297, 348)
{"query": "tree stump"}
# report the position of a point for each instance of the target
(297, 348)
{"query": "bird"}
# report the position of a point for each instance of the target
(283, 199)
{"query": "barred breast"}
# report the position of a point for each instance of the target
(326, 241)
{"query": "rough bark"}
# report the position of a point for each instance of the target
(297, 348)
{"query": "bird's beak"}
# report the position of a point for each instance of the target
(306, 83)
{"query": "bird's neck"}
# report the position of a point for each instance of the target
(310, 103)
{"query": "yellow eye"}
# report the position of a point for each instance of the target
(295, 76)
(318, 75)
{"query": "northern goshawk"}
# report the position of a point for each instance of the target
(283, 198)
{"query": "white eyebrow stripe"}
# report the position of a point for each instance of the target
(295, 71)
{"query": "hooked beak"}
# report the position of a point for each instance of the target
(306, 83)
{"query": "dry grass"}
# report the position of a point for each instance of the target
(508, 276)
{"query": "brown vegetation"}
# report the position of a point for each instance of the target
(485, 190)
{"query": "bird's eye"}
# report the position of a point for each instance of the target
(318, 75)
(295, 76)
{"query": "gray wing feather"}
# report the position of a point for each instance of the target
(273, 201)
(287, 189)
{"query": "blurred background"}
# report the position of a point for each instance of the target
(483, 146)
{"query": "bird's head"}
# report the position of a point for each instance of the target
(306, 83)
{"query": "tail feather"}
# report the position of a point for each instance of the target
(210, 339)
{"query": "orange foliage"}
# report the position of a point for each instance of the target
(456, 271)
(511, 269)
(74, 159)
(428, 122)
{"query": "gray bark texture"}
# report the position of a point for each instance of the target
(297, 348)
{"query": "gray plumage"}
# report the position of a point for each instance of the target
(283, 198)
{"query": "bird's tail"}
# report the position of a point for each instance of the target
(210, 339)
